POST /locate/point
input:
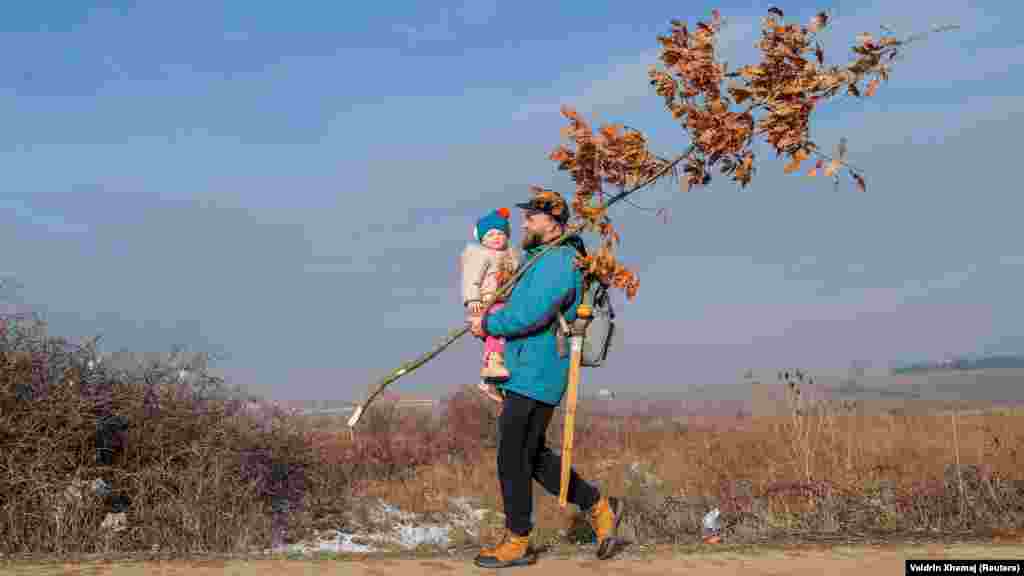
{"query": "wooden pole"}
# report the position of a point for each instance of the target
(570, 417)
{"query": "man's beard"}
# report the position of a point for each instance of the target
(532, 240)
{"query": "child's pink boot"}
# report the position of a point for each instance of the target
(495, 369)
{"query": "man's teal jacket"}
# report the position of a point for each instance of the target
(552, 284)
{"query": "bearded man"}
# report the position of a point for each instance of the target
(539, 375)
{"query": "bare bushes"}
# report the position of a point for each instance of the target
(190, 465)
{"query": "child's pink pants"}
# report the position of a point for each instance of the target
(493, 343)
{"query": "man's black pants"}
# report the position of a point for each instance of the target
(523, 456)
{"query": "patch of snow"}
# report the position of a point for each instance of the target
(386, 513)
(405, 532)
(331, 541)
(412, 536)
(466, 515)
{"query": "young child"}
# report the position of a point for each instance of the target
(486, 266)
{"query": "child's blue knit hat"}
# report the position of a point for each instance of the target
(496, 220)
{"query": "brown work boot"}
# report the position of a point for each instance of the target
(513, 550)
(495, 367)
(604, 519)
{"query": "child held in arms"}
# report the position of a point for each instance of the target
(487, 265)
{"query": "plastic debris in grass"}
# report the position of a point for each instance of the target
(712, 527)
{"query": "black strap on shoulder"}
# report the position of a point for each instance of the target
(576, 242)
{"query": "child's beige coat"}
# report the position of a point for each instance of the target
(484, 270)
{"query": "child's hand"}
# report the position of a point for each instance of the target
(476, 308)
(476, 326)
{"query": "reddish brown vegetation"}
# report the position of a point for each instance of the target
(772, 99)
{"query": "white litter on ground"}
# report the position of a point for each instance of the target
(405, 531)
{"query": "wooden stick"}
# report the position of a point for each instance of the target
(570, 418)
(452, 336)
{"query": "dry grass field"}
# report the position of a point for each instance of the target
(197, 469)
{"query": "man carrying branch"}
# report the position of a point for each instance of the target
(538, 379)
(722, 111)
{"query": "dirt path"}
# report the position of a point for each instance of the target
(796, 561)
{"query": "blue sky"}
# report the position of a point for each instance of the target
(291, 188)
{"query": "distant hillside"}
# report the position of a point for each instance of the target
(934, 389)
(914, 390)
(1005, 361)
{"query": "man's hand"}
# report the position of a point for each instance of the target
(476, 326)
(476, 307)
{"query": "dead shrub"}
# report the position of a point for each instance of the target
(193, 465)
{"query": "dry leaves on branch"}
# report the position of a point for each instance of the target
(772, 99)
